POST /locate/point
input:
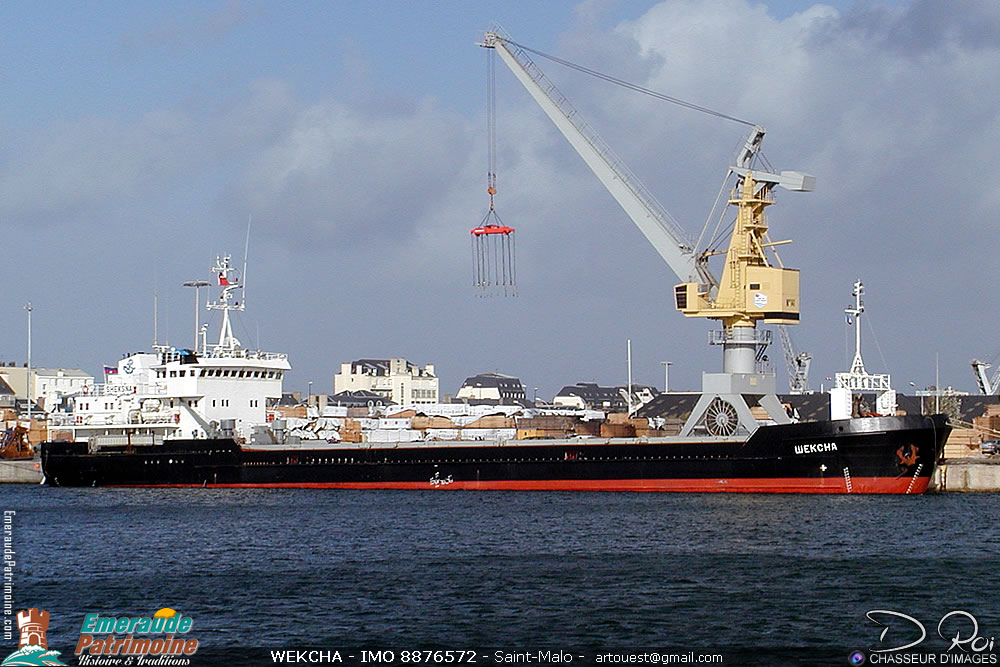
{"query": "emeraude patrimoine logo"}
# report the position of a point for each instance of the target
(33, 649)
(130, 635)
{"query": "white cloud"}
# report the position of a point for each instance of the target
(340, 174)
(84, 163)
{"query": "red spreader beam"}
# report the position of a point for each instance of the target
(492, 229)
(493, 266)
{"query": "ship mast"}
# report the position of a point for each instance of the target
(854, 316)
(858, 380)
(229, 282)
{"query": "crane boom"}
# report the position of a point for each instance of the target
(659, 228)
(987, 386)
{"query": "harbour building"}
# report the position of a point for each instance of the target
(494, 388)
(395, 380)
(49, 386)
(591, 396)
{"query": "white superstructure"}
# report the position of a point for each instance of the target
(219, 389)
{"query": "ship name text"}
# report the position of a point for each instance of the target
(816, 448)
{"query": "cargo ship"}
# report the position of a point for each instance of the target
(866, 455)
(198, 417)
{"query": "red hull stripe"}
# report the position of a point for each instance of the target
(900, 485)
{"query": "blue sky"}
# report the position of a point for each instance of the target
(139, 137)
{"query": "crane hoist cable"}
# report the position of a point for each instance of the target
(491, 124)
(493, 260)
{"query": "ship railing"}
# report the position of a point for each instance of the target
(60, 419)
(96, 442)
(866, 382)
(69, 419)
(159, 419)
(761, 337)
(221, 353)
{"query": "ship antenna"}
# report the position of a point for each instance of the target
(246, 251)
(156, 305)
(155, 312)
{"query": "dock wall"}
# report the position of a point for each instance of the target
(20, 472)
(967, 475)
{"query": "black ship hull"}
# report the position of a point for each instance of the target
(871, 455)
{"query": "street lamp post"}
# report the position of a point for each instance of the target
(666, 375)
(937, 385)
(28, 376)
(197, 285)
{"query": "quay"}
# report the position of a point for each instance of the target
(22, 471)
(973, 474)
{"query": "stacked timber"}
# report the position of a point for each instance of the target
(962, 442)
(422, 423)
(493, 421)
(989, 422)
(609, 430)
(291, 411)
(618, 425)
(350, 431)
(545, 427)
(671, 426)
(38, 432)
(644, 429)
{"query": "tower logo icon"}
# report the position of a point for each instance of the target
(33, 624)
(33, 648)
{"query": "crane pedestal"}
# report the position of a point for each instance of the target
(724, 406)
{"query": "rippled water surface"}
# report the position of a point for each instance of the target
(440, 569)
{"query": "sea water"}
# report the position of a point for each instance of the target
(365, 576)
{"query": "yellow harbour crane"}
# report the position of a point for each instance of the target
(753, 288)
